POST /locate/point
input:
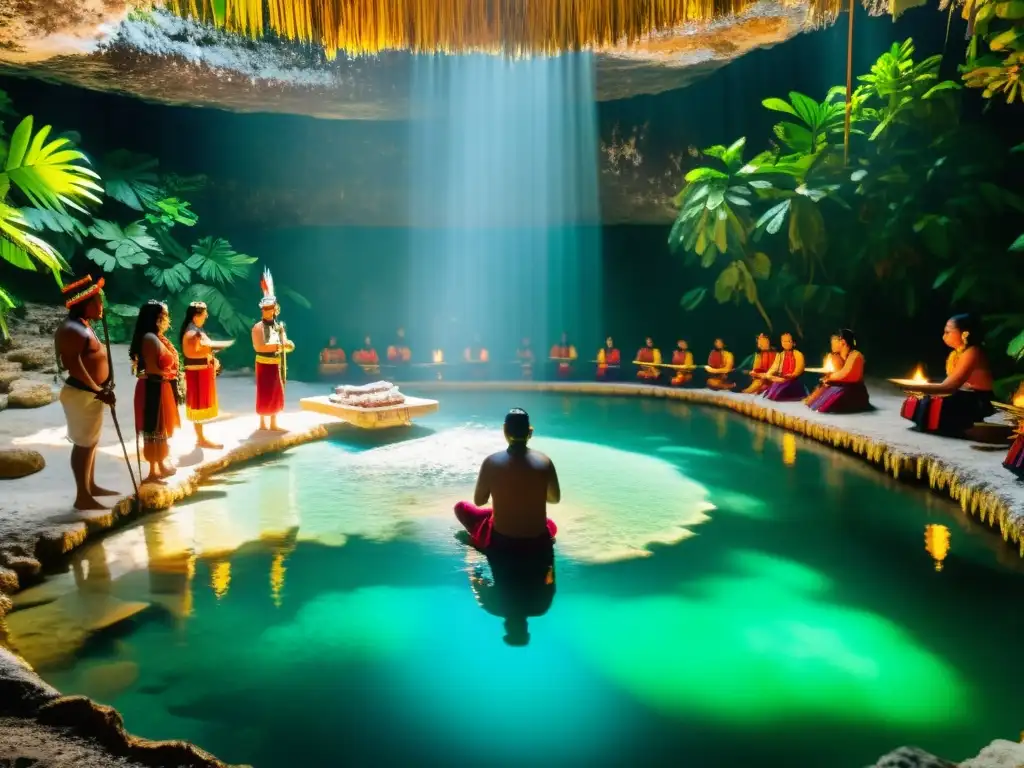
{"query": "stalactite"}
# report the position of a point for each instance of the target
(497, 26)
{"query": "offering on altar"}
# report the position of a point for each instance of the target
(916, 379)
(378, 394)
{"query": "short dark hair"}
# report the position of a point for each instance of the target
(968, 323)
(517, 424)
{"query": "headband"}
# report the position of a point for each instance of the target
(85, 288)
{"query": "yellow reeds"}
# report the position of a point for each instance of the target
(514, 27)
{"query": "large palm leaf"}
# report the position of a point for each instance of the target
(21, 248)
(51, 174)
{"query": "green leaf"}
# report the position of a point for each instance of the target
(217, 262)
(704, 174)
(49, 173)
(943, 277)
(760, 266)
(692, 298)
(773, 219)
(295, 297)
(6, 105)
(222, 308)
(1015, 348)
(170, 211)
(963, 287)
(41, 219)
(807, 109)
(123, 310)
(726, 284)
(1018, 244)
(130, 178)
(127, 247)
(779, 105)
(17, 243)
(1012, 10)
(173, 279)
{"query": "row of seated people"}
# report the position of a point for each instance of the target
(952, 407)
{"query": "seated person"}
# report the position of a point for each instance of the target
(332, 358)
(522, 482)
(366, 358)
(833, 362)
(524, 355)
(476, 352)
(682, 356)
(964, 397)
(648, 353)
(784, 377)
(720, 365)
(608, 360)
(764, 358)
(843, 391)
(399, 352)
(564, 354)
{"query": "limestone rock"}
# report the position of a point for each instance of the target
(3, 402)
(5, 605)
(32, 358)
(16, 462)
(21, 691)
(8, 581)
(27, 568)
(54, 543)
(999, 754)
(29, 394)
(9, 374)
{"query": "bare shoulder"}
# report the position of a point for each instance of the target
(70, 333)
(541, 458)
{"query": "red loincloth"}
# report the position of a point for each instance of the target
(200, 394)
(269, 389)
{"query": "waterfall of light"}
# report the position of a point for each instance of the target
(505, 241)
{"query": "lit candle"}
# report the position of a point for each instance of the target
(438, 356)
(827, 365)
(919, 377)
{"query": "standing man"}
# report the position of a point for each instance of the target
(272, 348)
(87, 388)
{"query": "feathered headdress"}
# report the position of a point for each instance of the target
(81, 290)
(267, 284)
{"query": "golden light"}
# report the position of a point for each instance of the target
(789, 449)
(919, 377)
(1018, 396)
(511, 27)
(438, 356)
(936, 543)
(827, 365)
(277, 575)
(220, 578)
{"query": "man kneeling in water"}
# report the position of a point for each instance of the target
(523, 482)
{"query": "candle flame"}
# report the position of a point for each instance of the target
(936, 543)
(438, 356)
(828, 365)
(919, 377)
(1018, 396)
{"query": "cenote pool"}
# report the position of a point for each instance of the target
(724, 594)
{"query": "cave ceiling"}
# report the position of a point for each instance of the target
(155, 56)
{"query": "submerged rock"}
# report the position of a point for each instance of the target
(17, 462)
(912, 757)
(999, 754)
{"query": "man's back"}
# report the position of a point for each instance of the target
(521, 483)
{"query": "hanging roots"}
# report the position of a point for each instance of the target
(513, 27)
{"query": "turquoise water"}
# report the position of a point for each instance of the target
(724, 594)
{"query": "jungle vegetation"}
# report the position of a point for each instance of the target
(922, 206)
(64, 213)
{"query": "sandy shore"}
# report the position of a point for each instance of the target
(38, 524)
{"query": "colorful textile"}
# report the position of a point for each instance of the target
(840, 398)
(479, 523)
(951, 415)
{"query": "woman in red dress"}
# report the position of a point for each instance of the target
(201, 369)
(155, 363)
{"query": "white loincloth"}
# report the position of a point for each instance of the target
(84, 414)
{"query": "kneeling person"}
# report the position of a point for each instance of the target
(522, 482)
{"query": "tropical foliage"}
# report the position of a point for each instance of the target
(795, 231)
(123, 217)
(995, 52)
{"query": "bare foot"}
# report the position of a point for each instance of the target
(168, 471)
(153, 480)
(208, 444)
(98, 491)
(276, 428)
(87, 504)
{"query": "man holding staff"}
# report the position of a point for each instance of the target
(88, 387)
(272, 348)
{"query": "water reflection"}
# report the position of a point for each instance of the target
(521, 586)
(936, 543)
(788, 449)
